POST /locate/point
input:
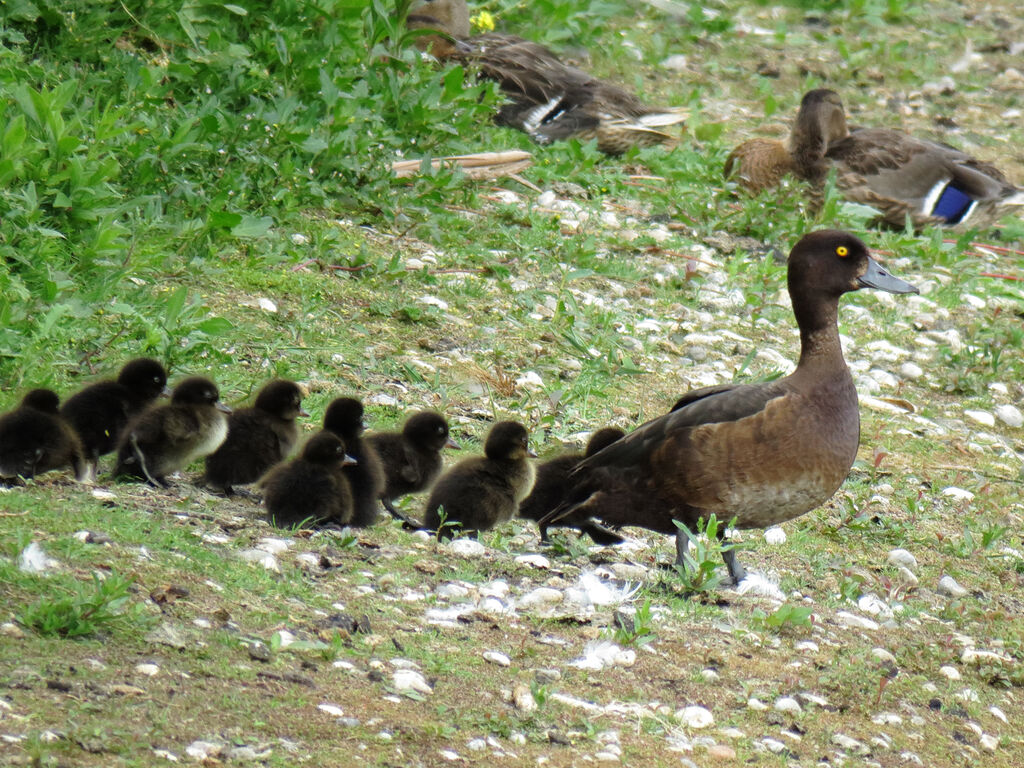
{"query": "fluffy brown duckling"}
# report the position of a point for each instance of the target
(34, 439)
(548, 99)
(312, 487)
(258, 437)
(167, 438)
(759, 454)
(100, 411)
(411, 459)
(551, 483)
(479, 493)
(344, 417)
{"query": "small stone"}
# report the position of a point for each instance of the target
(775, 535)
(541, 596)
(1010, 415)
(911, 371)
(883, 655)
(849, 744)
(973, 656)
(260, 557)
(149, 670)
(788, 704)
(452, 591)
(167, 634)
(411, 680)
(709, 675)
(258, 651)
(497, 657)
(34, 560)
(274, 546)
(957, 493)
(984, 418)
(476, 745)
(537, 561)
(266, 305)
(949, 672)
(901, 557)
(10, 629)
(676, 62)
(906, 577)
(756, 704)
(721, 752)
(331, 709)
(990, 743)
(853, 621)
(948, 586)
(696, 717)
(522, 698)
(466, 547)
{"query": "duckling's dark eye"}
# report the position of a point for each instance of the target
(440, 430)
(842, 251)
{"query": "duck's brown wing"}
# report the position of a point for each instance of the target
(894, 164)
(710, 405)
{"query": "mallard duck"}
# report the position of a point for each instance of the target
(759, 454)
(548, 99)
(901, 176)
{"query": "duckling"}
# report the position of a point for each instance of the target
(258, 437)
(344, 417)
(100, 411)
(311, 488)
(901, 176)
(477, 494)
(550, 485)
(548, 99)
(759, 164)
(35, 439)
(167, 438)
(759, 454)
(411, 459)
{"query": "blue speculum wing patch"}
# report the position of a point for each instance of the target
(953, 204)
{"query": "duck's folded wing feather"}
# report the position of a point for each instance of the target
(711, 405)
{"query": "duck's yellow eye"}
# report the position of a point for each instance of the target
(843, 251)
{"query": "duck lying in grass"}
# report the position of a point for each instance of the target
(899, 175)
(547, 99)
(759, 454)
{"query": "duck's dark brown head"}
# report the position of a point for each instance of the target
(449, 17)
(197, 390)
(831, 262)
(508, 441)
(820, 122)
(327, 449)
(344, 417)
(145, 378)
(45, 400)
(429, 431)
(281, 398)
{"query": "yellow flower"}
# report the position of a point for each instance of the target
(483, 20)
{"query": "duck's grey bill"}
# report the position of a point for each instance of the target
(877, 277)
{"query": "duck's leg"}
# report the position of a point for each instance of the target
(682, 545)
(736, 571)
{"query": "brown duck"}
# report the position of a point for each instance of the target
(34, 439)
(547, 99)
(550, 486)
(903, 177)
(258, 437)
(479, 493)
(759, 454)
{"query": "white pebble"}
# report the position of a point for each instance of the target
(982, 417)
(911, 371)
(541, 596)
(959, 494)
(991, 743)
(756, 704)
(331, 709)
(906, 577)
(998, 713)
(676, 62)
(951, 673)
(949, 587)
(902, 557)
(1010, 415)
(411, 680)
(149, 670)
(849, 744)
(497, 657)
(853, 621)
(476, 745)
(537, 561)
(695, 717)
(545, 199)
(258, 556)
(266, 305)
(788, 704)
(466, 547)
(775, 535)
(883, 655)
(972, 656)
(451, 591)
